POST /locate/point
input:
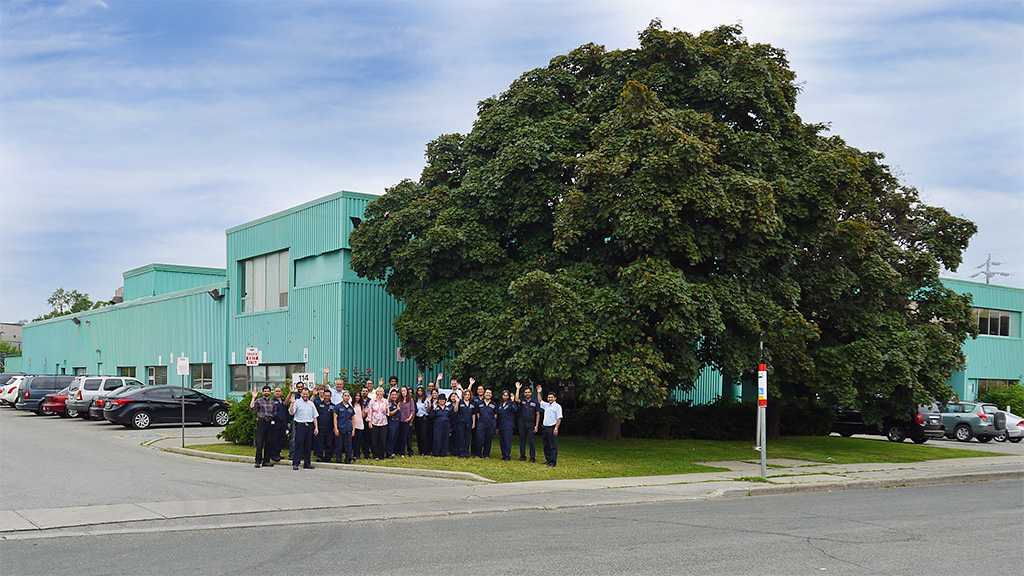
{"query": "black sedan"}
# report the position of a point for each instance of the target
(141, 407)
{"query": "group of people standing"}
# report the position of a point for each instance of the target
(456, 421)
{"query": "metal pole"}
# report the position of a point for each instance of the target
(762, 406)
(182, 411)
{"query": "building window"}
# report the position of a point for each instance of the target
(265, 282)
(245, 378)
(79, 370)
(997, 322)
(986, 385)
(202, 376)
(156, 375)
(126, 371)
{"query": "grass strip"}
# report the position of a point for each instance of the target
(580, 457)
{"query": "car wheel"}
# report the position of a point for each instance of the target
(846, 434)
(963, 433)
(141, 420)
(221, 417)
(71, 413)
(984, 439)
(920, 440)
(1015, 440)
(895, 433)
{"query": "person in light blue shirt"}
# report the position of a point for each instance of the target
(552, 420)
(304, 414)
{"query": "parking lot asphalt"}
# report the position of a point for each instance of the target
(182, 492)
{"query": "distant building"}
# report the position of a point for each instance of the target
(287, 290)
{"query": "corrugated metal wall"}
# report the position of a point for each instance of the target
(990, 357)
(707, 389)
(144, 332)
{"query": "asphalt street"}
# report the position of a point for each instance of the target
(910, 530)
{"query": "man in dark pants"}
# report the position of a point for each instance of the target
(278, 434)
(343, 414)
(265, 413)
(478, 399)
(552, 420)
(323, 444)
(529, 422)
(304, 413)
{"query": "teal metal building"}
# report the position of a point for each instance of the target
(995, 359)
(288, 290)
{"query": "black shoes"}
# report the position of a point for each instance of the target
(258, 464)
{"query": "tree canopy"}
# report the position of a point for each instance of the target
(622, 219)
(66, 302)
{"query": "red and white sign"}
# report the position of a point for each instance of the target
(762, 384)
(253, 356)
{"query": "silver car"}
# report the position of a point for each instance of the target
(966, 420)
(1014, 431)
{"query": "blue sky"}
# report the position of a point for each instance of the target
(138, 132)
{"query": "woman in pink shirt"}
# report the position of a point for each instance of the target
(406, 412)
(377, 423)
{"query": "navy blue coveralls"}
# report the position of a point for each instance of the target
(506, 424)
(343, 441)
(485, 424)
(527, 420)
(463, 429)
(280, 430)
(441, 418)
(323, 443)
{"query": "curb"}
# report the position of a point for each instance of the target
(427, 473)
(961, 478)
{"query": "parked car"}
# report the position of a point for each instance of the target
(920, 424)
(6, 377)
(9, 391)
(1014, 431)
(140, 408)
(34, 388)
(56, 403)
(84, 389)
(966, 420)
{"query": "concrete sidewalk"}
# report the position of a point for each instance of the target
(479, 495)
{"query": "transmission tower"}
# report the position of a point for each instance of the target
(988, 273)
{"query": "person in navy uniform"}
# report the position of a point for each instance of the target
(281, 421)
(440, 415)
(506, 423)
(463, 423)
(529, 422)
(323, 444)
(344, 415)
(552, 420)
(478, 399)
(486, 420)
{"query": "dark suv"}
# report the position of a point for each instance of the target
(921, 423)
(35, 388)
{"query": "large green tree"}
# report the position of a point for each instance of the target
(622, 219)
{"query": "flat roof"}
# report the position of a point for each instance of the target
(303, 206)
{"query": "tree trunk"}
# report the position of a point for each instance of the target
(611, 428)
(772, 423)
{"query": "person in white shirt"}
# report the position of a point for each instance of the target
(552, 420)
(339, 389)
(304, 416)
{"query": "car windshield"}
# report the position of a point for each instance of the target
(989, 408)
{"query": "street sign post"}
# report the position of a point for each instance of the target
(183, 367)
(762, 405)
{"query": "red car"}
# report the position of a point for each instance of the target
(56, 404)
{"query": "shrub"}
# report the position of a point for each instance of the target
(1012, 396)
(242, 428)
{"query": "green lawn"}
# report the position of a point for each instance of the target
(590, 458)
